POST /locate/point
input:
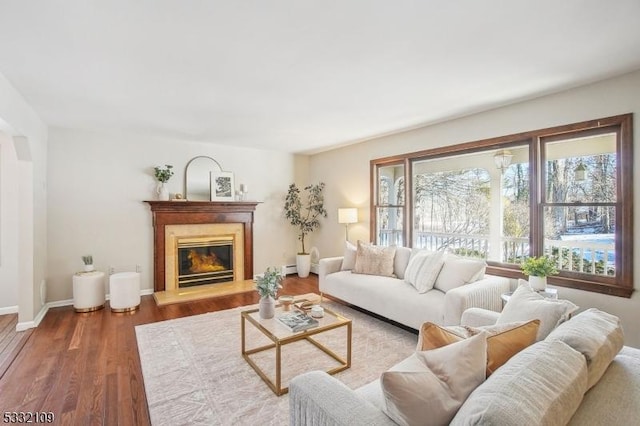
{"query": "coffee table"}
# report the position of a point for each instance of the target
(281, 336)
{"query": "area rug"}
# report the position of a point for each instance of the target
(194, 373)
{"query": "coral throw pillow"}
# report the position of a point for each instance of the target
(503, 341)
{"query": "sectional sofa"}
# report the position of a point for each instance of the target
(579, 373)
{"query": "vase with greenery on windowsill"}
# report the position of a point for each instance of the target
(304, 208)
(538, 269)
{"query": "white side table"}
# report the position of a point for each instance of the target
(124, 291)
(88, 291)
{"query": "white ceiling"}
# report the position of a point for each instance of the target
(301, 75)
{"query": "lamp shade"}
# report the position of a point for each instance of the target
(348, 215)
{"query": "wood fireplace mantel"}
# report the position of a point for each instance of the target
(198, 212)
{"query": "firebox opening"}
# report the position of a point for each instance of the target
(207, 262)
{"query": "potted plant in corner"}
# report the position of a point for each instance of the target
(268, 285)
(304, 211)
(162, 175)
(538, 269)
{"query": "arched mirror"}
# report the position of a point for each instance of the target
(197, 181)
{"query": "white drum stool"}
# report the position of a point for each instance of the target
(124, 289)
(88, 291)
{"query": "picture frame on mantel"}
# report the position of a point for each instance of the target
(222, 186)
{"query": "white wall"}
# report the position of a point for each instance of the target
(8, 226)
(346, 170)
(28, 193)
(97, 184)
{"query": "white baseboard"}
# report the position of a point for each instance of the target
(60, 303)
(22, 326)
(9, 310)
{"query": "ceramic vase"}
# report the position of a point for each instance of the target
(88, 268)
(267, 307)
(303, 265)
(163, 192)
(537, 283)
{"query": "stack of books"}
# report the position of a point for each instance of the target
(297, 321)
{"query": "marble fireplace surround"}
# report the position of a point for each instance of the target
(170, 217)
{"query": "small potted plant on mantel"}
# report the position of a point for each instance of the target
(306, 217)
(538, 269)
(162, 175)
(267, 286)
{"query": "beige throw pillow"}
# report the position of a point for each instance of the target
(525, 305)
(541, 385)
(374, 260)
(595, 334)
(349, 257)
(458, 271)
(423, 269)
(432, 392)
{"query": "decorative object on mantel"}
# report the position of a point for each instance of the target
(267, 286)
(178, 197)
(197, 178)
(538, 269)
(162, 176)
(88, 263)
(306, 217)
(222, 186)
(241, 194)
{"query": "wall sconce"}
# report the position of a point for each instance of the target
(580, 172)
(346, 216)
(503, 159)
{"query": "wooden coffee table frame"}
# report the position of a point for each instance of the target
(279, 342)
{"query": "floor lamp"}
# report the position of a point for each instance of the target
(346, 216)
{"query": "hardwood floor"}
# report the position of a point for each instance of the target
(11, 341)
(85, 369)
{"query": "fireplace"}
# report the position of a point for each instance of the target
(204, 261)
(217, 236)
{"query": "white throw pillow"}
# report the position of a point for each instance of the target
(349, 259)
(525, 305)
(458, 271)
(423, 269)
(436, 384)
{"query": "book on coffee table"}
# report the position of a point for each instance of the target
(297, 321)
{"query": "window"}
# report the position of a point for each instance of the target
(564, 191)
(390, 205)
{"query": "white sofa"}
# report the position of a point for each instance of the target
(395, 299)
(577, 375)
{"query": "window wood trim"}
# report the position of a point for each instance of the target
(622, 284)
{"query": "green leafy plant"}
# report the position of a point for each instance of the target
(542, 266)
(163, 174)
(305, 209)
(87, 260)
(269, 283)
